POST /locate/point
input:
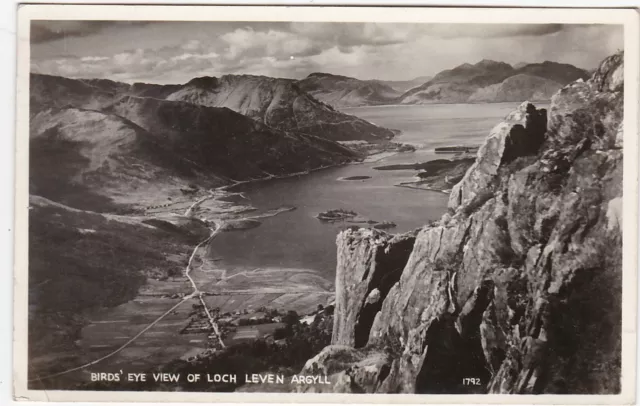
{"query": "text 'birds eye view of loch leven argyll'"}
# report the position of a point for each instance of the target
(325, 207)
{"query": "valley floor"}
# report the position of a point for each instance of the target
(174, 315)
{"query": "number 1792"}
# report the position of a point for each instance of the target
(471, 381)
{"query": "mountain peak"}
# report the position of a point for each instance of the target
(487, 63)
(203, 82)
(319, 74)
(327, 75)
(521, 65)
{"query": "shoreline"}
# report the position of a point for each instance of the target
(409, 186)
(214, 222)
(438, 104)
(229, 187)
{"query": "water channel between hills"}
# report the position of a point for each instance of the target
(297, 240)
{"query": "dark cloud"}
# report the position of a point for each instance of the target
(349, 35)
(452, 31)
(537, 29)
(50, 30)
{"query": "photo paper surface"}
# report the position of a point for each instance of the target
(400, 205)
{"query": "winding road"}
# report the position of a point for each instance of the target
(195, 294)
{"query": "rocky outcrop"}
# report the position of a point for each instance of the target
(372, 262)
(348, 370)
(518, 286)
(520, 134)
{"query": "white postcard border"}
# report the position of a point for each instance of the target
(629, 18)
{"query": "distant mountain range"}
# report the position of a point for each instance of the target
(343, 91)
(404, 85)
(491, 81)
(486, 81)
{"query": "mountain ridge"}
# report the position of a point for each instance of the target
(343, 91)
(463, 83)
(279, 103)
(178, 141)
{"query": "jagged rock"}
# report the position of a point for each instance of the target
(520, 284)
(368, 261)
(349, 370)
(619, 142)
(610, 74)
(590, 111)
(373, 297)
(520, 134)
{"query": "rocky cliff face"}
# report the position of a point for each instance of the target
(518, 286)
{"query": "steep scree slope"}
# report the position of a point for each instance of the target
(518, 285)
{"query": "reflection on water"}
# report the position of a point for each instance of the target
(298, 240)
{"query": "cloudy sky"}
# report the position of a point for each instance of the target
(175, 52)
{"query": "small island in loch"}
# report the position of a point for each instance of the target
(336, 215)
(358, 177)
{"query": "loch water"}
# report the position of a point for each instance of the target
(298, 240)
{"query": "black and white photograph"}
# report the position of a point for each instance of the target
(300, 206)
